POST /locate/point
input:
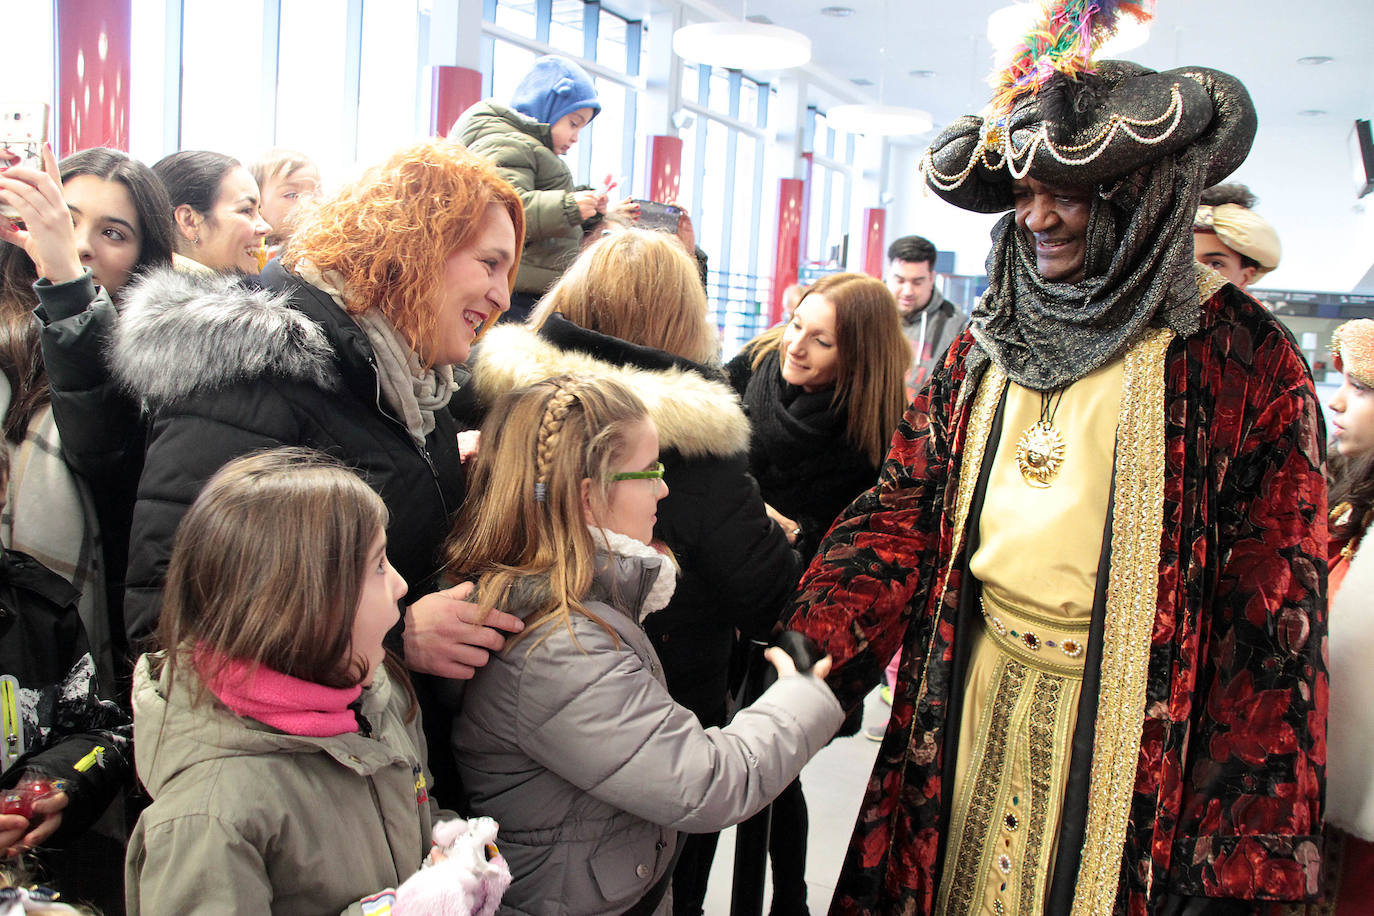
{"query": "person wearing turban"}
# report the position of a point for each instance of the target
(1231, 238)
(1098, 539)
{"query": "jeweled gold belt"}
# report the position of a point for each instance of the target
(1034, 638)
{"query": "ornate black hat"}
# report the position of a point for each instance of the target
(1069, 122)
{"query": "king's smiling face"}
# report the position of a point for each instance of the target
(1055, 223)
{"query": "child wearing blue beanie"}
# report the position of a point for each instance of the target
(525, 141)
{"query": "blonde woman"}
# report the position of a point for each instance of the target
(824, 393)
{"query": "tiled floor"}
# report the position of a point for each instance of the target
(834, 783)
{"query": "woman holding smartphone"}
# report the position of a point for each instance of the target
(86, 228)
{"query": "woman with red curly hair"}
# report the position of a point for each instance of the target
(351, 346)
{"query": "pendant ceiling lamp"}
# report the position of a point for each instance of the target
(881, 120)
(742, 45)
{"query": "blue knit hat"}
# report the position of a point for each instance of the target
(555, 86)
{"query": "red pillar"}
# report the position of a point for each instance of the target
(875, 227)
(786, 259)
(456, 89)
(93, 50)
(662, 167)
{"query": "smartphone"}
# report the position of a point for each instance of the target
(23, 129)
(654, 215)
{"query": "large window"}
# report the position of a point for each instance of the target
(314, 112)
(724, 171)
(606, 43)
(828, 238)
(389, 93)
(222, 77)
(337, 80)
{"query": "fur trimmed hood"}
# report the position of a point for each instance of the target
(696, 416)
(181, 334)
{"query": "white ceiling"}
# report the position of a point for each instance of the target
(1300, 165)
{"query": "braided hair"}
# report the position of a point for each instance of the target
(524, 524)
(550, 433)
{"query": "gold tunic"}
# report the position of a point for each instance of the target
(1037, 558)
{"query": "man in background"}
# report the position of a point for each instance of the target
(929, 320)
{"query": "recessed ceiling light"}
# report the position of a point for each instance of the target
(1312, 112)
(1315, 60)
(921, 74)
(758, 18)
(861, 81)
(839, 12)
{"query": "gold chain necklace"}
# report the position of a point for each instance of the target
(1040, 449)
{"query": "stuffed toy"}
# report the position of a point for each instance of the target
(465, 874)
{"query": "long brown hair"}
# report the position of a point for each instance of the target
(522, 521)
(640, 286)
(389, 233)
(872, 357)
(1352, 482)
(268, 564)
(21, 357)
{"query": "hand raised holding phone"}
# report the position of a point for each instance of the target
(42, 224)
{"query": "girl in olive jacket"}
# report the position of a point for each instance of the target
(277, 740)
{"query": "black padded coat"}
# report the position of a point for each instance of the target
(226, 370)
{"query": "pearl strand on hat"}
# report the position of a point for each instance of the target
(994, 137)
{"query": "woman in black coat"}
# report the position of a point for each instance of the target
(824, 394)
(348, 346)
(632, 308)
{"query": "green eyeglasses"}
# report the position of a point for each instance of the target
(653, 473)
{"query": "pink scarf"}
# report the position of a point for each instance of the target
(284, 702)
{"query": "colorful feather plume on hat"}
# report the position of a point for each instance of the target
(1066, 35)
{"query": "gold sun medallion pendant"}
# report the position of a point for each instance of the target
(1039, 453)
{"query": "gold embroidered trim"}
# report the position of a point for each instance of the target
(1041, 735)
(971, 860)
(1057, 648)
(1132, 600)
(1208, 281)
(975, 443)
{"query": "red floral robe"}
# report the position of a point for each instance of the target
(1207, 780)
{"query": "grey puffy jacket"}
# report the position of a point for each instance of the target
(573, 744)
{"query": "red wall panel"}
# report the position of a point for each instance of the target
(786, 259)
(663, 167)
(93, 50)
(456, 89)
(875, 228)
